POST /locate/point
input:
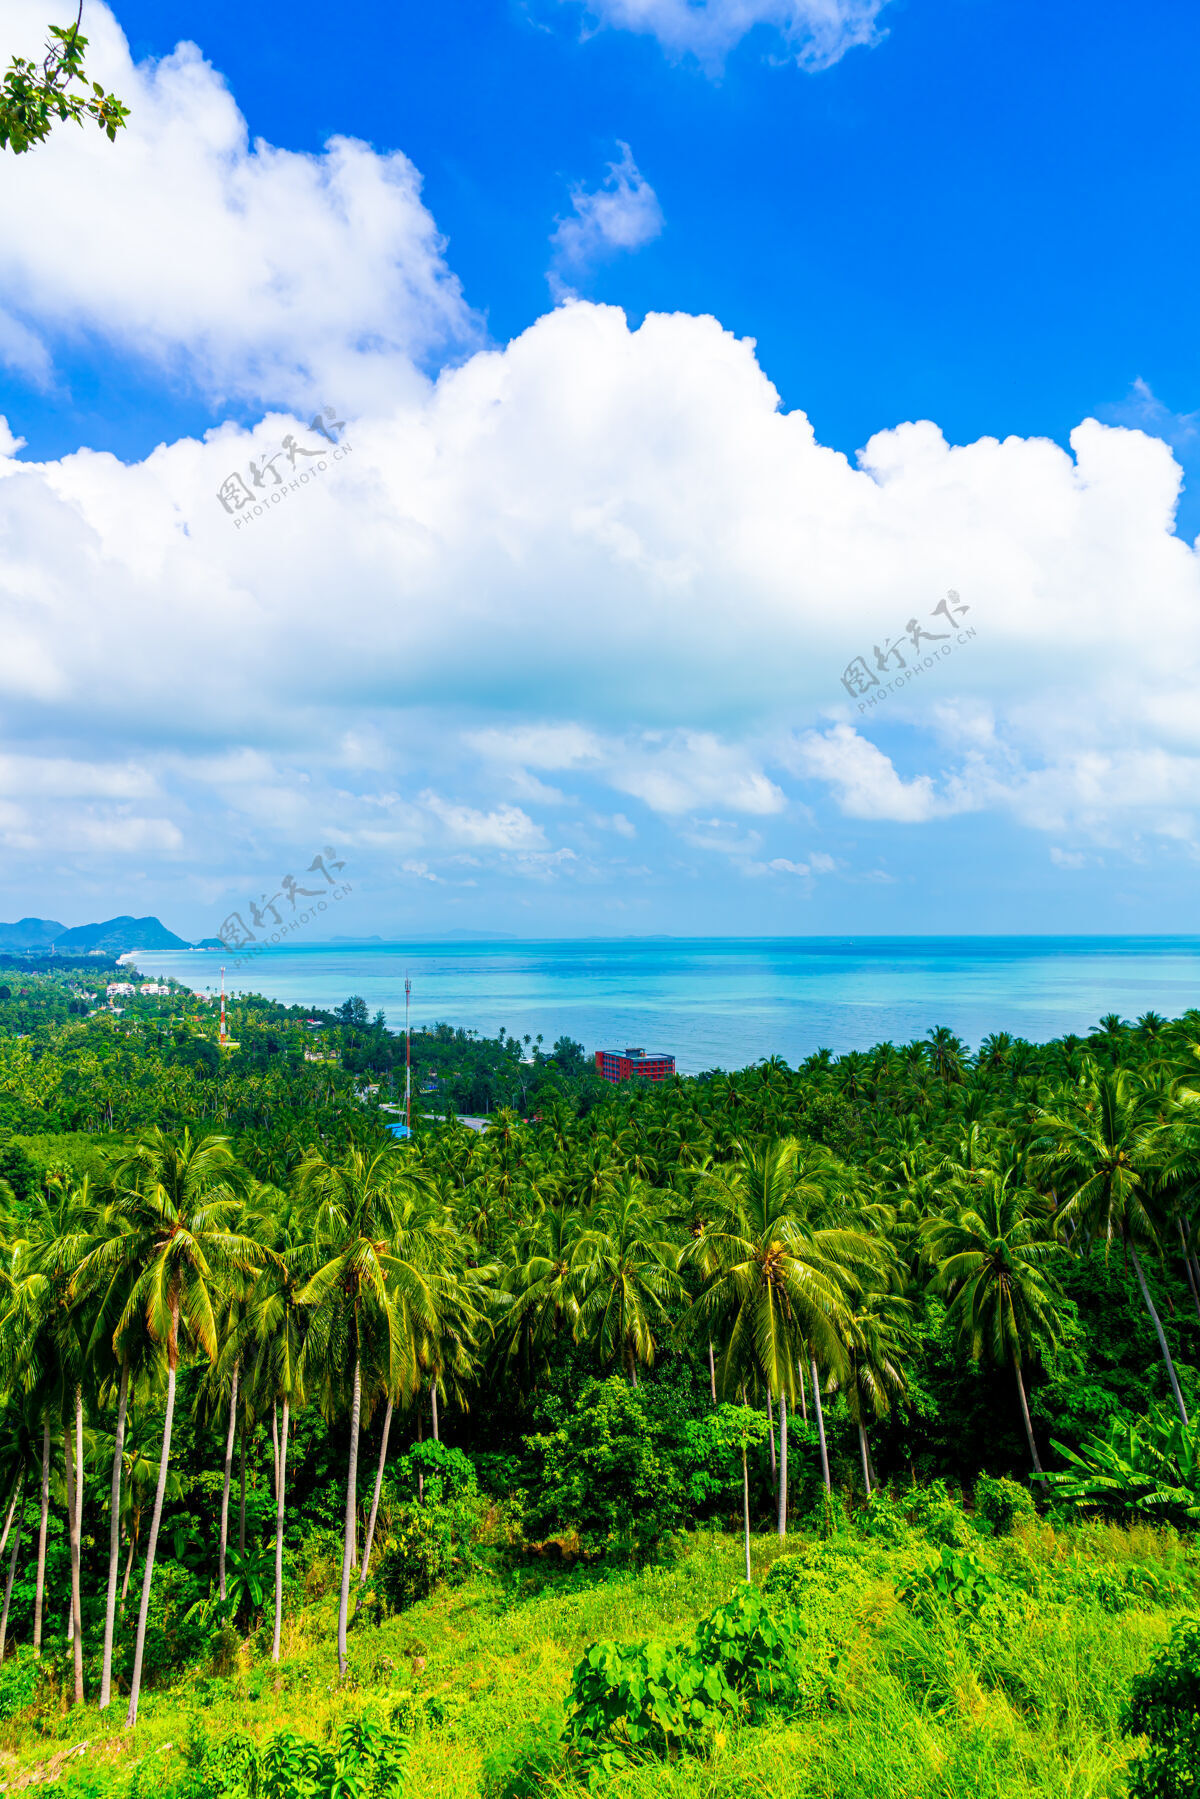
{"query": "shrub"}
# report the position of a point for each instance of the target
(420, 1552)
(1164, 1707)
(754, 1649)
(816, 1569)
(929, 1512)
(655, 1697)
(1002, 1504)
(938, 1517)
(956, 1578)
(431, 1541)
(20, 1679)
(708, 1453)
(603, 1476)
(367, 1762)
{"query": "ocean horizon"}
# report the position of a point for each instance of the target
(724, 1001)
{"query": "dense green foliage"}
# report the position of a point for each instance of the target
(1165, 1708)
(239, 1320)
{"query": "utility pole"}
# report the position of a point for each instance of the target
(407, 1056)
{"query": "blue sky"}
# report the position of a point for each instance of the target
(559, 649)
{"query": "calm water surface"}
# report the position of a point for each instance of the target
(726, 1001)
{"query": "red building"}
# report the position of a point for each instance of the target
(634, 1065)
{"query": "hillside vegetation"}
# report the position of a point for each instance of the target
(337, 1463)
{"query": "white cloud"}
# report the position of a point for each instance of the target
(58, 777)
(694, 768)
(599, 554)
(623, 213)
(815, 32)
(538, 746)
(503, 828)
(256, 272)
(866, 784)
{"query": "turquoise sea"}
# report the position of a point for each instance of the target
(726, 1001)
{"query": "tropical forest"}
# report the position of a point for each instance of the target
(431, 1418)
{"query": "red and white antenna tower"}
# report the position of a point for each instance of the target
(407, 1056)
(222, 1036)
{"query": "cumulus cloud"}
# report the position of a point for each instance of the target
(694, 768)
(255, 272)
(598, 564)
(816, 33)
(623, 213)
(866, 784)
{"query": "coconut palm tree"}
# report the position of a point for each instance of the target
(543, 1282)
(879, 1337)
(627, 1268)
(367, 1303)
(775, 1277)
(180, 1199)
(140, 1458)
(114, 1357)
(1105, 1148)
(48, 1331)
(275, 1334)
(992, 1255)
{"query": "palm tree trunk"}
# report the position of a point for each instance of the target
(73, 1536)
(135, 1685)
(1029, 1437)
(433, 1400)
(803, 1394)
(279, 1531)
(229, 1435)
(242, 1509)
(18, 1489)
(745, 1510)
(783, 1492)
(79, 1462)
(821, 1427)
(366, 1557)
(78, 1506)
(114, 1540)
(771, 1434)
(351, 1498)
(1187, 1263)
(40, 1593)
(12, 1569)
(866, 1460)
(712, 1372)
(1159, 1333)
(128, 1570)
(275, 1450)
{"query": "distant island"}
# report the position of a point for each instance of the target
(113, 937)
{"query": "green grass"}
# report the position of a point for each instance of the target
(1020, 1699)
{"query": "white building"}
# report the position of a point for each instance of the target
(119, 990)
(159, 988)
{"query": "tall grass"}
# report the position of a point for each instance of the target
(1019, 1700)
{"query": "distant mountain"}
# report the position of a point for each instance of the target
(30, 933)
(116, 936)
